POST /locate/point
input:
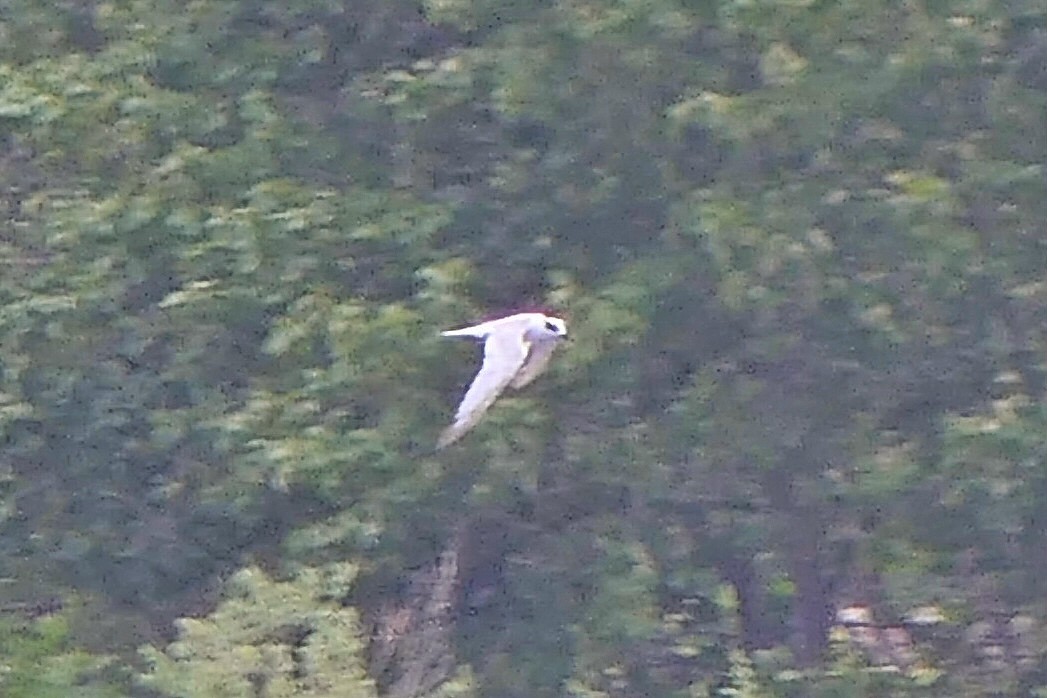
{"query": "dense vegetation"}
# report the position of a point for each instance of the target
(797, 445)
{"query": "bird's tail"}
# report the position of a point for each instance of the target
(465, 332)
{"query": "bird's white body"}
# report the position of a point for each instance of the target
(516, 350)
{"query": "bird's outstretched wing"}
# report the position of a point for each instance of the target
(504, 354)
(537, 360)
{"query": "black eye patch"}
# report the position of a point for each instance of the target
(551, 327)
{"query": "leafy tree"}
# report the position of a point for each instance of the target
(40, 660)
(800, 246)
(271, 638)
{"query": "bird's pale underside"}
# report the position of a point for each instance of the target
(516, 351)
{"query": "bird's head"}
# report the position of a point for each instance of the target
(553, 326)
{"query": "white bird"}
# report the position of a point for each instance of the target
(516, 350)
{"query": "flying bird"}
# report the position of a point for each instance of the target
(516, 350)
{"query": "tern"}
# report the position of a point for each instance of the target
(516, 351)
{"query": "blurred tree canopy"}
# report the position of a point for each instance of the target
(796, 446)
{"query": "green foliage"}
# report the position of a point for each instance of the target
(272, 638)
(800, 247)
(39, 660)
(743, 682)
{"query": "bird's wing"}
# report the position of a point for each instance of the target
(504, 354)
(537, 360)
